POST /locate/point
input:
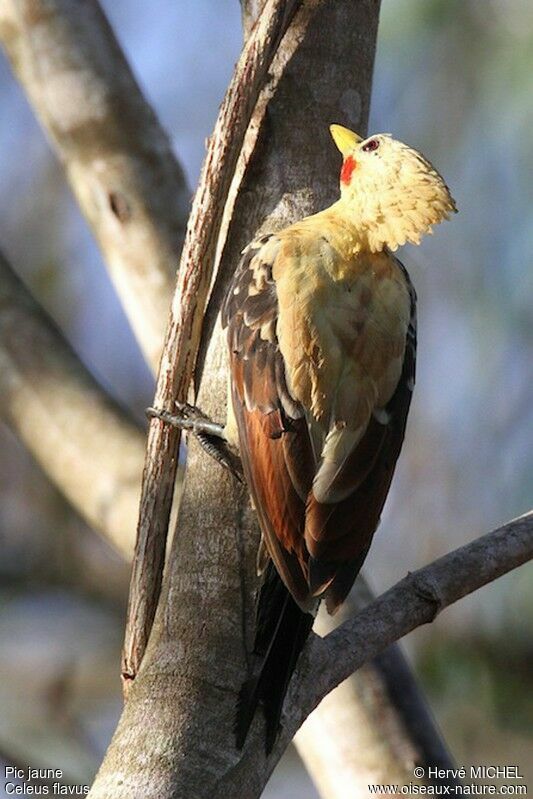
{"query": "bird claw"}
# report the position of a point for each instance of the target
(209, 434)
(188, 417)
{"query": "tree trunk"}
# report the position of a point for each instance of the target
(175, 736)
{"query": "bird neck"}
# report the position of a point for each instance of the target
(348, 227)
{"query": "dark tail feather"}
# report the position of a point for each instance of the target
(282, 629)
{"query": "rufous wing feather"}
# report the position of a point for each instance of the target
(275, 446)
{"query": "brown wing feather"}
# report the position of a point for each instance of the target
(315, 547)
(274, 441)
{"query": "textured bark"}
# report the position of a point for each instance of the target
(175, 731)
(415, 600)
(84, 441)
(374, 727)
(117, 158)
(250, 10)
(186, 320)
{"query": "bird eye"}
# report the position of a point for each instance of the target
(373, 144)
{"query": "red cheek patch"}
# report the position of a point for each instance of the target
(347, 169)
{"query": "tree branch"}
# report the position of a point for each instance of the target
(415, 600)
(84, 440)
(250, 10)
(117, 158)
(186, 316)
(374, 726)
(403, 692)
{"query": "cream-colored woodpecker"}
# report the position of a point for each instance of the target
(321, 325)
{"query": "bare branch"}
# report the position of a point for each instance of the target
(415, 600)
(83, 440)
(404, 693)
(250, 10)
(185, 323)
(116, 156)
(374, 726)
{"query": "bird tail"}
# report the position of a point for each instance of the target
(282, 629)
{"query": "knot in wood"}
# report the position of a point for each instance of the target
(428, 589)
(119, 206)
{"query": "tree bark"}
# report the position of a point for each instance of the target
(175, 732)
(187, 317)
(85, 442)
(116, 156)
(250, 10)
(415, 600)
(375, 726)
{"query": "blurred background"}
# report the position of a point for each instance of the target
(453, 79)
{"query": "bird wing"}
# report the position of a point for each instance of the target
(275, 447)
(318, 483)
(338, 534)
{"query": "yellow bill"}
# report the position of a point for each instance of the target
(344, 138)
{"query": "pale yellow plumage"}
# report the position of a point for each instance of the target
(343, 316)
(344, 303)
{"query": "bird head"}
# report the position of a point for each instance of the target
(392, 192)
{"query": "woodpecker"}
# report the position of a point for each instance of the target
(321, 328)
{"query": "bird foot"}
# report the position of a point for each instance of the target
(188, 417)
(210, 435)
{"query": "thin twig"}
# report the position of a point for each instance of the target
(185, 322)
